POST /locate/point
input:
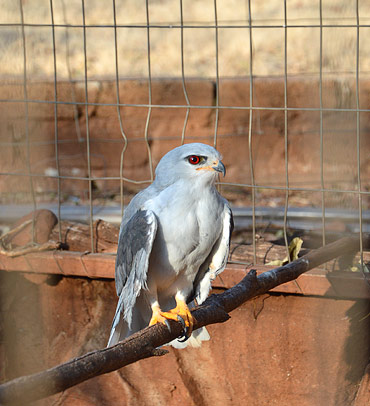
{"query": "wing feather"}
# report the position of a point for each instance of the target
(135, 244)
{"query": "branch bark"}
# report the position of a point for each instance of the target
(145, 343)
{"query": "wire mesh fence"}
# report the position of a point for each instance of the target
(93, 95)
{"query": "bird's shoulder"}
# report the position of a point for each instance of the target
(138, 202)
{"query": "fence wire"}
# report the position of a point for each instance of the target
(252, 28)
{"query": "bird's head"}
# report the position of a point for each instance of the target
(190, 162)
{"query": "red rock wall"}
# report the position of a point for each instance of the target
(166, 126)
(276, 350)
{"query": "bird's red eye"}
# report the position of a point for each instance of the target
(194, 159)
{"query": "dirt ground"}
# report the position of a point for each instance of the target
(339, 38)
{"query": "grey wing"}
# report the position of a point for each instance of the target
(134, 247)
(216, 261)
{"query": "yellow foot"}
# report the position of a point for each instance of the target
(180, 313)
(183, 315)
(161, 317)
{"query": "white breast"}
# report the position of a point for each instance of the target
(188, 229)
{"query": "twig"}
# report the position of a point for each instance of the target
(145, 343)
(27, 249)
(16, 229)
(47, 246)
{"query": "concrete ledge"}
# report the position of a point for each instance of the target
(96, 266)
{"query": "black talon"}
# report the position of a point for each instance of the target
(185, 336)
(167, 325)
(181, 320)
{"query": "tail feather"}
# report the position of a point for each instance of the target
(116, 324)
(121, 329)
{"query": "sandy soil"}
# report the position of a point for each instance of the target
(199, 50)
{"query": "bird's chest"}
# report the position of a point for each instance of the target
(187, 234)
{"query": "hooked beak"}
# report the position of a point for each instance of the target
(220, 167)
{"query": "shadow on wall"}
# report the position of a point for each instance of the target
(356, 350)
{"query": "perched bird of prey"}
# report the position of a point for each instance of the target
(174, 240)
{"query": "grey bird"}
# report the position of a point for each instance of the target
(173, 241)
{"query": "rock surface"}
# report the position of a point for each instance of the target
(277, 349)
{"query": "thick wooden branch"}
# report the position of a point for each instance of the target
(145, 343)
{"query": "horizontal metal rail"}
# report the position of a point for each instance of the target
(299, 218)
